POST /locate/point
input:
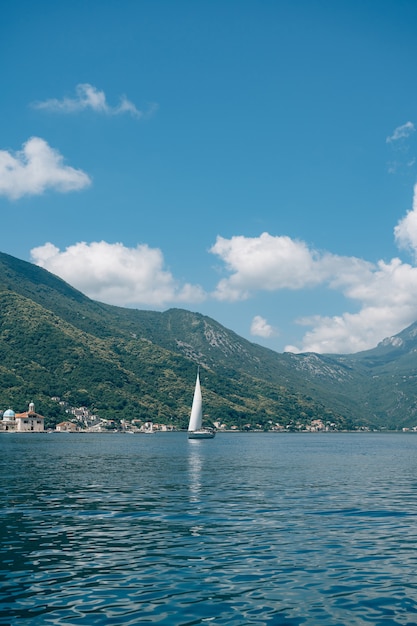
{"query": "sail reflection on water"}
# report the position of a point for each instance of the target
(195, 463)
(195, 466)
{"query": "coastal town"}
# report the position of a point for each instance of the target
(82, 420)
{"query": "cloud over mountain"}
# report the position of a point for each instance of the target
(115, 274)
(384, 294)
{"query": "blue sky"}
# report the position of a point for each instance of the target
(252, 161)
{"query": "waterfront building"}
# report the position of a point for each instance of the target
(8, 421)
(66, 427)
(26, 422)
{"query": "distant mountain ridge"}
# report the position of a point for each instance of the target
(128, 363)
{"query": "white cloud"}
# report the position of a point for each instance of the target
(89, 97)
(388, 303)
(264, 262)
(385, 294)
(115, 274)
(36, 168)
(401, 132)
(406, 230)
(271, 263)
(261, 328)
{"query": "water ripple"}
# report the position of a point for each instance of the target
(265, 529)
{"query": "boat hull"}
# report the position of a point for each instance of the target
(201, 434)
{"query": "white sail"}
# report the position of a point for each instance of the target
(196, 417)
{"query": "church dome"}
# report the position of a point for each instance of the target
(9, 415)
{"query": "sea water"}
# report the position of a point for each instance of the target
(276, 529)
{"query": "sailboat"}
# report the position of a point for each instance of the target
(195, 426)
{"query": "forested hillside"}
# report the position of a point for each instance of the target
(131, 364)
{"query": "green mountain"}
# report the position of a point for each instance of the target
(130, 364)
